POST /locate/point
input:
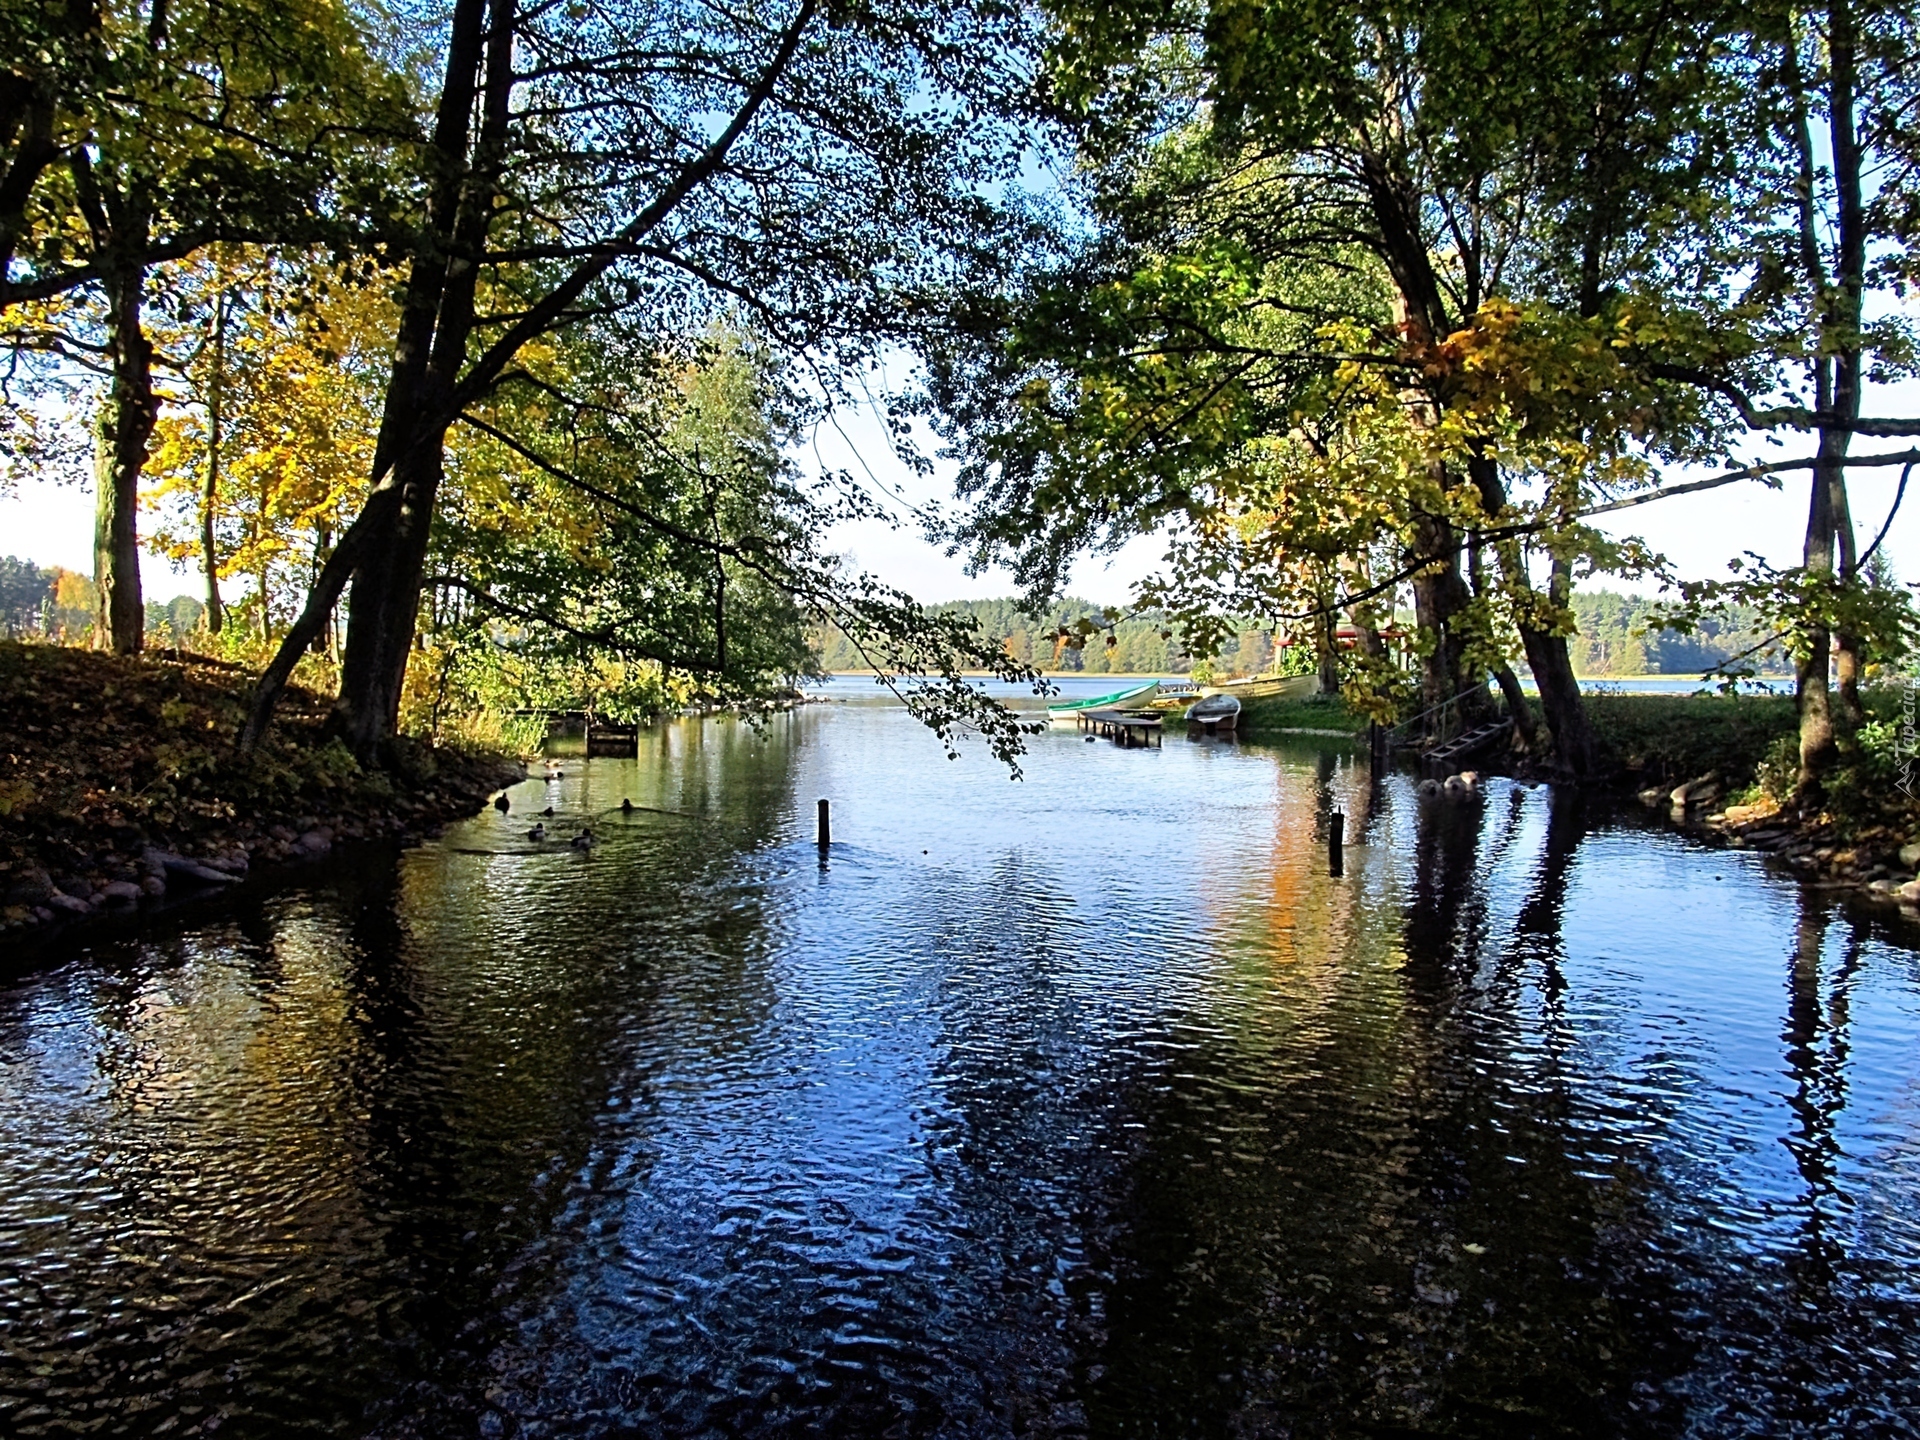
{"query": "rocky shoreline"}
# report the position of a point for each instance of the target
(121, 796)
(1880, 863)
(123, 878)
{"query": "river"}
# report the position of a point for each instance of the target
(1084, 1105)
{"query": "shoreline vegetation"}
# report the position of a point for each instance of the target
(1617, 637)
(122, 795)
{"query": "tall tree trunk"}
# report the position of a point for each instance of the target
(385, 609)
(1560, 698)
(1439, 596)
(1817, 745)
(1367, 613)
(1849, 652)
(1517, 707)
(126, 424)
(1440, 593)
(1836, 373)
(1842, 335)
(216, 418)
(382, 554)
(1326, 645)
(325, 642)
(1560, 701)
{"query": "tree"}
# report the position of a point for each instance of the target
(1848, 69)
(262, 453)
(73, 604)
(806, 169)
(1289, 337)
(1544, 202)
(138, 136)
(1816, 217)
(24, 588)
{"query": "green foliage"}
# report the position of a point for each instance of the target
(168, 127)
(1672, 738)
(25, 592)
(1327, 326)
(176, 623)
(1324, 713)
(1876, 777)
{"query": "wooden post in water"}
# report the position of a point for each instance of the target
(826, 830)
(1336, 841)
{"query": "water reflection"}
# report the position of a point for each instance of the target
(1091, 1105)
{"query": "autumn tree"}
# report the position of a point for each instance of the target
(806, 169)
(1420, 274)
(273, 364)
(136, 135)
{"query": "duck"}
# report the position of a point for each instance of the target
(626, 807)
(539, 832)
(582, 841)
(500, 802)
(548, 812)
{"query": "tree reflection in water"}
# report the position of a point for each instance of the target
(1092, 1105)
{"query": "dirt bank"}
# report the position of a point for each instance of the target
(121, 792)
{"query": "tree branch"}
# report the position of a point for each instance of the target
(1791, 417)
(609, 638)
(1904, 457)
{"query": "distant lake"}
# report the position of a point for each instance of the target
(1073, 687)
(1673, 684)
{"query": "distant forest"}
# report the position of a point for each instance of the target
(1139, 647)
(1607, 642)
(58, 605)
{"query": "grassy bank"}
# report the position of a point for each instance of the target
(121, 785)
(1677, 737)
(1279, 715)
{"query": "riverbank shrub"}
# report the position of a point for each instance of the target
(1873, 783)
(1753, 743)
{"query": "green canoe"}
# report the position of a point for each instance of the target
(1069, 709)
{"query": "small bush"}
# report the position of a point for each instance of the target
(1779, 769)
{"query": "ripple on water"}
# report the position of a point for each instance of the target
(1084, 1105)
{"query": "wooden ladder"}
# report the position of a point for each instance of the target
(1442, 757)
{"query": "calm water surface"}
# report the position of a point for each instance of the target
(1085, 1105)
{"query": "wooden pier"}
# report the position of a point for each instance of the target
(1123, 727)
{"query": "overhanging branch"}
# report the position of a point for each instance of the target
(611, 639)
